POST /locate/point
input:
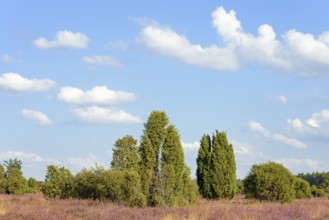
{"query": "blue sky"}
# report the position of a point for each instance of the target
(77, 75)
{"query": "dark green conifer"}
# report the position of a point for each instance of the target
(203, 166)
(216, 167)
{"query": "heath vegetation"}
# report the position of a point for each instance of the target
(154, 177)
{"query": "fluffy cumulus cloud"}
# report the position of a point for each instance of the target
(167, 42)
(256, 127)
(296, 52)
(15, 82)
(36, 116)
(98, 115)
(101, 61)
(64, 39)
(97, 95)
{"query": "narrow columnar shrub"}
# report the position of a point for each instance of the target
(216, 167)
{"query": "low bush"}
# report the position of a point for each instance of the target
(270, 182)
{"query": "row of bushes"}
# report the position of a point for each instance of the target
(120, 186)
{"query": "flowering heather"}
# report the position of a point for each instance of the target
(36, 207)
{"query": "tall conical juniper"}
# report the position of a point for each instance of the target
(216, 167)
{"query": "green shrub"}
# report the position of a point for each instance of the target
(3, 180)
(316, 192)
(124, 186)
(239, 187)
(58, 183)
(270, 182)
(91, 184)
(302, 188)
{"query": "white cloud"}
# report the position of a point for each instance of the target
(318, 118)
(97, 95)
(25, 157)
(167, 42)
(280, 99)
(99, 115)
(102, 61)
(80, 163)
(264, 47)
(315, 125)
(297, 53)
(194, 145)
(241, 149)
(300, 126)
(36, 116)
(301, 165)
(290, 141)
(14, 81)
(293, 142)
(121, 45)
(258, 128)
(64, 39)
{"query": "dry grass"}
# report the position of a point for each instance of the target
(36, 207)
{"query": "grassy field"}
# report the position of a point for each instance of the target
(36, 207)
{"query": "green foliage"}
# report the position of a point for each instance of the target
(119, 186)
(147, 162)
(172, 168)
(270, 182)
(320, 180)
(13, 163)
(203, 167)
(125, 154)
(131, 189)
(302, 188)
(190, 189)
(316, 192)
(91, 184)
(33, 185)
(156, 131)
(151, 145)
(58, 183)
(239, 187)
(162, 166)
(216, 167)
(15, 181)
(3, 180)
